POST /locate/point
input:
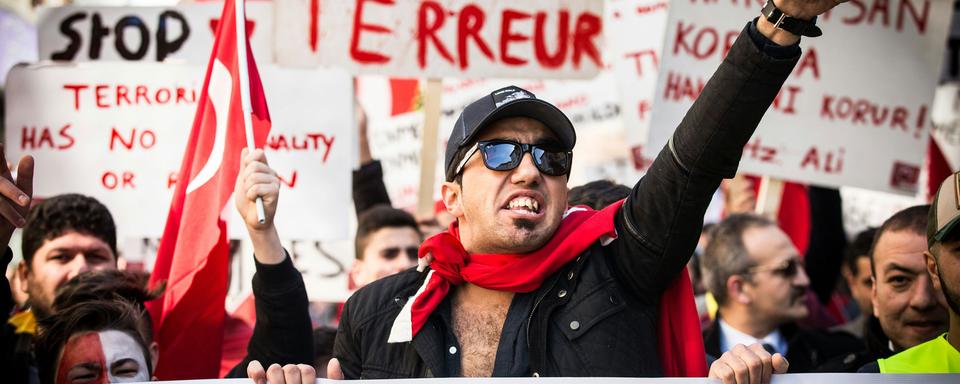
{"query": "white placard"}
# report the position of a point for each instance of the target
(856, 110)
(182, 33)
(635, 30)
(444, 38)
(121, 140)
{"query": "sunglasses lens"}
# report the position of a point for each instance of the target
(553, 163)
(501, 156)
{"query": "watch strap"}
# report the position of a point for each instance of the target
(788, 23)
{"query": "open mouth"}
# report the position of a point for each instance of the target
(523, 205)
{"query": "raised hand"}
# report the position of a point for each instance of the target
(16, 195)
(256, 179)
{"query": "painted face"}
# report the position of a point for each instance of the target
(389, 250)
(515, 211)
(910, 309)
(59, 260)
(779, 282)
(109, 356)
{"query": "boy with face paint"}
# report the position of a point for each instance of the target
(95, 342)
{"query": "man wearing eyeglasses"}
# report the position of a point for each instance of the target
(758, 279)
(522, 286)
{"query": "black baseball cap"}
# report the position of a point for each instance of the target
(511, 101)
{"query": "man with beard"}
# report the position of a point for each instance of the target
(941, 354)
(758, 279)
(521, 286)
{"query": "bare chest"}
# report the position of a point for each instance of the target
(478, 329)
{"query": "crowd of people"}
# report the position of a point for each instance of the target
(517, 275)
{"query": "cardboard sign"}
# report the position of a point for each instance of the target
(121, 140)
(635, 31)
(182, 33)
(444, 38)
(855, 111)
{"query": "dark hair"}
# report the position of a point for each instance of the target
(913, 219)
(726, 255)
(597, 194)
(859, 247)
(379, 217)
(92, 316)
(61, 214)
(131, 286)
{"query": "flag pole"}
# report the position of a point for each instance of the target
(247, 109)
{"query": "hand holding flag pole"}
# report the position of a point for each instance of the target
(245, 89)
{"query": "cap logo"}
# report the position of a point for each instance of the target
(504, 96)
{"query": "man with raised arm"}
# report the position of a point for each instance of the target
(520, 285)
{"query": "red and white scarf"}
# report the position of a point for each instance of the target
(579, 229)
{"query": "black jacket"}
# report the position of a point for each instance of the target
(807, 350)
(610, 292)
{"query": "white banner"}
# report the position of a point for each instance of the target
(444, 38)
(799, 378)
(856, 110)
(121, 141)
(182, 33)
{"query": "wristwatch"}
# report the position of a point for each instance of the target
(788, 23)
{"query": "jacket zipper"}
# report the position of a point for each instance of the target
(537, 304)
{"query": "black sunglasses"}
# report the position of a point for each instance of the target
(504, 155)
(392, 252)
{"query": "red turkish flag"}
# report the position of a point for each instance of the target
(194, 252)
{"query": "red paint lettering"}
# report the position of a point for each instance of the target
(682, 87)
(122, 95)
(785, 101)
(162, 96)
(425, 31)
(507, 36)
(637, 62)
(540, 40)
(468, 25)
(142, 93)
(643, 108)
(588, 27)
(65, 135)
(809, 61)
(147, 139)
(292, 182)
(111, 180)
(76, 88)
(359, 26)
(101, 96)
(880, 11)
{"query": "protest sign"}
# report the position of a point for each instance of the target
(182, 33)
(946, 122)
(121, 140)
(634, 30)
(443, 38)
(856, 110)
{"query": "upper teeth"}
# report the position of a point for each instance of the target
(526, 202)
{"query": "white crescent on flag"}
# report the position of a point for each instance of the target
(220, 91)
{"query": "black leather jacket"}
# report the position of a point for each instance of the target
(611, 292)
